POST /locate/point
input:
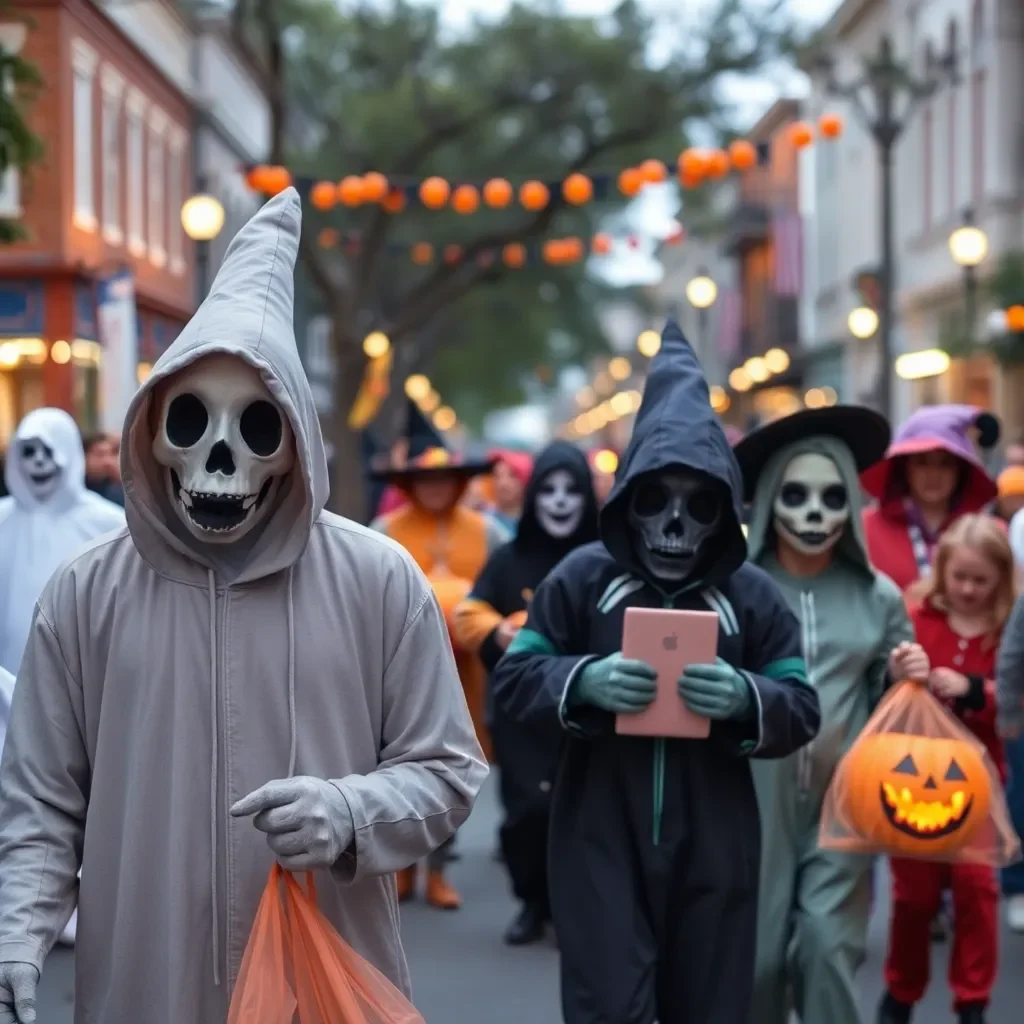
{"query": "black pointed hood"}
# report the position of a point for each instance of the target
(676, 426)
(421, 433)
(529, 533)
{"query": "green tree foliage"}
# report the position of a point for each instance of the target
(19, 145)
(535, 93)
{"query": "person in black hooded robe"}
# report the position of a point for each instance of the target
(655, 843)
(559, 514)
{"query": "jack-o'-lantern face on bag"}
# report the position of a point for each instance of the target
(917, 795)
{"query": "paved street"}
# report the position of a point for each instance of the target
(464, 975)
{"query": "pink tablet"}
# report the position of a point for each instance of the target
(668, 641)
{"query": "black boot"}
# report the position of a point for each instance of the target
(527, 927)
(972, 1013)
(891, 1011)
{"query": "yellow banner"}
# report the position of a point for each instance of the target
(376, 382)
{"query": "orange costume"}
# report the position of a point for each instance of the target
(451, 545)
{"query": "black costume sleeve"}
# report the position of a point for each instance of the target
(478, 617)
(532, 680)
(788, 713)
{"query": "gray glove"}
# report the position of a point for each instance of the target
(616, 684)
(18, 983)
(307, 821)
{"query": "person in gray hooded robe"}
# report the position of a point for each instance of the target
(236, 676)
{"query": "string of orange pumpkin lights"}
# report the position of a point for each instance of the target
(693, 168)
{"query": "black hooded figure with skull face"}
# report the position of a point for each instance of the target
(654, 841)
(559, 515)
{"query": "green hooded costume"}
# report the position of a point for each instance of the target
(814, 905)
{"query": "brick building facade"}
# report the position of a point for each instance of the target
(106, 196)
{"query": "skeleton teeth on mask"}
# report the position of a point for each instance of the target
(559, 504)
(675, 515)
(225, 444)
(812, 507)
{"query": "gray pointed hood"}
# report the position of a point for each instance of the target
(248, 313)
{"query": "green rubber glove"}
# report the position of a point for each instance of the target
(717, 692)
(616, 684)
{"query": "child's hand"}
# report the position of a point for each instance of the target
(948, 683)
(908, 661)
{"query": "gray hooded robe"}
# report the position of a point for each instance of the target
(154, 694)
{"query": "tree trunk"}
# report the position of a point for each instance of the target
(348, 484)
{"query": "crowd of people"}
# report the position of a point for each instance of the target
(215, 675)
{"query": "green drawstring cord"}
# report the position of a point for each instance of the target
(659, 765)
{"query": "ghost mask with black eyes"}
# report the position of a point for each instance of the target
(226, 446)
(42, 472)
(675, 516)
(812, 507)
(559, 504)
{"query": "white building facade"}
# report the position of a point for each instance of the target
(962, 153)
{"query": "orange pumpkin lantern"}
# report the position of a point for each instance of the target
(693, 163)
(917, 796)
(497, 193)
(323, 195)
(375, 187)
(277, 180)
(743, 155)
(351, 190)
(601, 244)
(434, 193)
(450, 592)
(514, 255)
(577, 189)
(718, 163)
(422, 253)
(534, 195)
(654, 171)
(631, 180)
(465, 199)
(394, 201)
(1015, 319)
(830, 126)
(801, 134)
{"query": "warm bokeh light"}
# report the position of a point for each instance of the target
(606, 461)
(863, 322)
(930, 362)
(142, 372)
(648, 344)
(720, 401)
(968, 246)
(445, 418)
(701, 292)
(376, 345)
(739, 381)
(431, 402)
(620, 368)
(60, 352)
(417, 387)
(202, 217)
(585, 397)
(757, 369)
(777, 360)
(815, 399)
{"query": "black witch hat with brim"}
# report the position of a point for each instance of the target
(435, 462)
(865, 432)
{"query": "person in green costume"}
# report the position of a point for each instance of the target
(801, 479)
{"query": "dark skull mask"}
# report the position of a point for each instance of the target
(675, 514)
(41, 469)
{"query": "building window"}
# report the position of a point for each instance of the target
(978, 134)
(83, 62)
(136, 166)
(156, 178)
(12, 39)
(112, 86)
(175, 176)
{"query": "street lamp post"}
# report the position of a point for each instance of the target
(202, 218)
(968, 246)
(884, 97)
(701, 292)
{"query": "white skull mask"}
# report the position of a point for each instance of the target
(559, 504)
(226, 445)
(812, 506)
(675, 515)
(42, 472)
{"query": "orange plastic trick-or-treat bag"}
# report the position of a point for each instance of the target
(917, 783)
(297, 968)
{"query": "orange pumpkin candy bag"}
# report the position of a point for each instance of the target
(297, 968)
(917, 783)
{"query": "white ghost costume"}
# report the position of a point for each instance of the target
(169, 675)
(46, 517)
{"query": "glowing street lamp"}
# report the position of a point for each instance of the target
(417, 387)
(202, 217)
(968, 246)
(701, 292)
(863, 322)
(648, 344)
(376, 345)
